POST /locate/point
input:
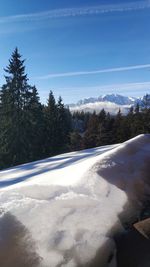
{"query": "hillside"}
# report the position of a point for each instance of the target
(63, 211)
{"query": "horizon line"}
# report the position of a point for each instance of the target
(124, 89)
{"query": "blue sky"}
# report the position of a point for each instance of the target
(80, 48)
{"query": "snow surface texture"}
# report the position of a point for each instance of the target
(63, 211)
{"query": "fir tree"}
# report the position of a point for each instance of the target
(91, 135)
(75, 141)
(118, 130)
(51, 136)
(63, 126)
(35, 117)
(14, 97)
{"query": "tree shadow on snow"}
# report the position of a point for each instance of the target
(49, 166)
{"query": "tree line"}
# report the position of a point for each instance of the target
(30, 130)
(91, 130)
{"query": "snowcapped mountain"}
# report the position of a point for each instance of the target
(117, 99)
(113, 98)
(110, 102)
(110, 107)
(144, 102)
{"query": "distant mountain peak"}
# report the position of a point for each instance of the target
(113, 98)
(110, 102)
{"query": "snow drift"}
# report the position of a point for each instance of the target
(64, 211)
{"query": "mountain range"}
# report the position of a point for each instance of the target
(110, 102)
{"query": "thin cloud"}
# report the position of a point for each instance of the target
(122, 88)
(109, 87)
(81, 73)
(76, 12)
(74, 94)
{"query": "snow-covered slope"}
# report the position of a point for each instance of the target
(63, 211)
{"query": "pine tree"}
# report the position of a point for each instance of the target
(75, 141)
(138, 122)
(119, 128)
(129, 123)
(14, 146)
(102, 128)
(63, 126)
(92, 133)
(35, 118)
(51, 129)
(106, 137)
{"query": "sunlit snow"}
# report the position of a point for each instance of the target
(69, 206)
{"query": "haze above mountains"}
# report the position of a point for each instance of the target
(110, 102)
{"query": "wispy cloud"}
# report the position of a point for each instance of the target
(123, 88)
(73, 94)
(109, 87)
(92, 72)
(75, 12)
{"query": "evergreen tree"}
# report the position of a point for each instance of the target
(138, 123)
(147, 120)
(118, 130)
(64, 122)
(51, 127)
(91, 135)
(129, 123)
(14, 147)
(102, 137)
(35, 118)
(107, 137)
(75, 141)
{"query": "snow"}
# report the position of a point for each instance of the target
(110, 102)
(70, 166)
(70, 205)
(110, 107)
